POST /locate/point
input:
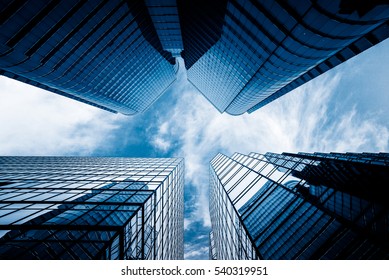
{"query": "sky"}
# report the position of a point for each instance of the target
(343, 110)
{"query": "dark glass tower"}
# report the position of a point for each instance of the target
(243, 54)
(300, 206)
(164, 15)
(91, 208)
(212, 252)
(109, 54)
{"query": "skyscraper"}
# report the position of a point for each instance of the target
(109, 54)
(91, 208)
(300, 206)
(243, 54)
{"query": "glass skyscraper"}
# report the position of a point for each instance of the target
(91, 208)
(243, 54)
(299, 206)
(105, 53)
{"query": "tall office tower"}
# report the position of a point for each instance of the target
(243, 54)
(164, 15)
(105, 53)
(300, 206)
(212, 252)
(91, 208)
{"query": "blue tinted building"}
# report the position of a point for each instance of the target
(244, 54)
(110, 54)
(91, 208)
(241, 54)
(300, 206)
(165, 18)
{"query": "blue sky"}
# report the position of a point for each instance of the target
(345, 109)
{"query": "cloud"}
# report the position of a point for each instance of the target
(37, 122)
(195, 252)
(161, 144)
(186, 224)
(304, 120)
(196, 241)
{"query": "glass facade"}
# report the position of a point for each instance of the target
(164, 15)
(212, 253)
(104, 53)
(241, 54)
(300, 206)
(91, 208)
(268, 48)
(201, 27)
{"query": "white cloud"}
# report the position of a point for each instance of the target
(187, 223)
(163, 129)
(161, 143)
(300, 121)
(194, 252)
(37, 122)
